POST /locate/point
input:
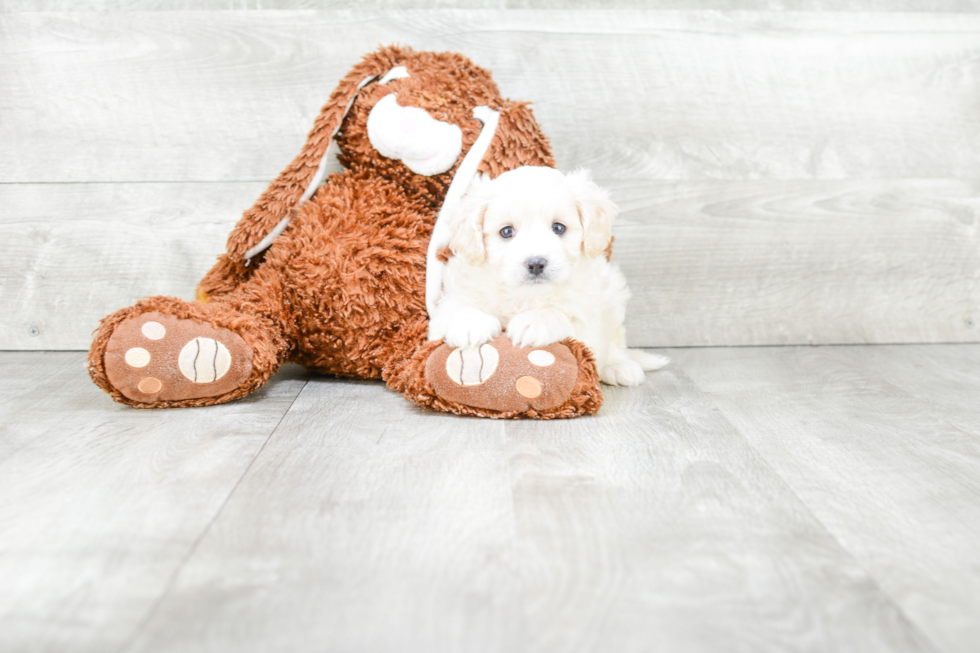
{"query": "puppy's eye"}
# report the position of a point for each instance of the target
(507, 232)
(558, 228)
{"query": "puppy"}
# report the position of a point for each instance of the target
(530, 257)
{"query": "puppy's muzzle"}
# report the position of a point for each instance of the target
(535, 266)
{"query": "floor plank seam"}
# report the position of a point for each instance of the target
(871, 577)
(207, 528)
(515, 535)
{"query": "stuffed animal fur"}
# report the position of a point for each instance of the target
(333, 275)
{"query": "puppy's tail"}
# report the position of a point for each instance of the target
(649, 362)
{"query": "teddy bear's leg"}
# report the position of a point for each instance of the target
(500, 380)
(164, 352)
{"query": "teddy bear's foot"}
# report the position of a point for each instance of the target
(502, 378)
(154, 357)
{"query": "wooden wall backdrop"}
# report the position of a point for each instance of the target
(801, 172)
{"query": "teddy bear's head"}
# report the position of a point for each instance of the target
(399, 114)
(413, 122)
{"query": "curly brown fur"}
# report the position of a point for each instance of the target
(341, 290)
(268, 351)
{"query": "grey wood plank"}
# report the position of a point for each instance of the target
(883, 471)
(946, 377)
(29, 384)
(278, 5)
(656, 526)
(709, 262)
(72, 253)
(230, 95)
(366, 524)
(100, 503)
(804, 262)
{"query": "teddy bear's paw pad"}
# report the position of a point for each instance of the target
(156, 357)
(499, 376)
(472, 365)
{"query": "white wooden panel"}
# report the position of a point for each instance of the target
(639, 96)
(884, 471)
(100, 503)
(198, 95)
(808, 262)
(709, 263)
(72, 253)
(274, 5)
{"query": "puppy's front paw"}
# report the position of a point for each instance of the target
(622, 372)
(539, 328)
(470, 326)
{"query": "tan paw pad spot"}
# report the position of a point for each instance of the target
(204, 360)
(137, 357)
(154, 330)
(472, 365)
(149, 385)
(528, 386)
(541, 358)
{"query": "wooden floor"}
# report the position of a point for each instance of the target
(744, 499)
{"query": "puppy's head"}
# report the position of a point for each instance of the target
(531, 225)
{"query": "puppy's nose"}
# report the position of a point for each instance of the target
(536, 265)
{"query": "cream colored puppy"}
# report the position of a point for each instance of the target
(530, 258)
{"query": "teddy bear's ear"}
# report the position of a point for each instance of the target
(518, 141)
(466, 222)
(595, 210)
(277, 204)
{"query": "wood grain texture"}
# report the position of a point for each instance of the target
(657, 527)
(807, 262)
(883, 469)
(27, 384)
(72, 253)
(709, 263)
(229, 96)
(655, 522)
(101, 503)
(787, 177)
(946, 377)
(945, 6)
(366, 524)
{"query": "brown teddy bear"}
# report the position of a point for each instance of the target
(332, 275)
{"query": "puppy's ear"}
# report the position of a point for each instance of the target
(595, 210)
(466, 222)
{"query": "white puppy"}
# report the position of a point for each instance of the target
(530, 258)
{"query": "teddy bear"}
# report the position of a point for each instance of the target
(337, 272)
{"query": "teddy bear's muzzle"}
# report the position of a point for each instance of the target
(426, 145)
